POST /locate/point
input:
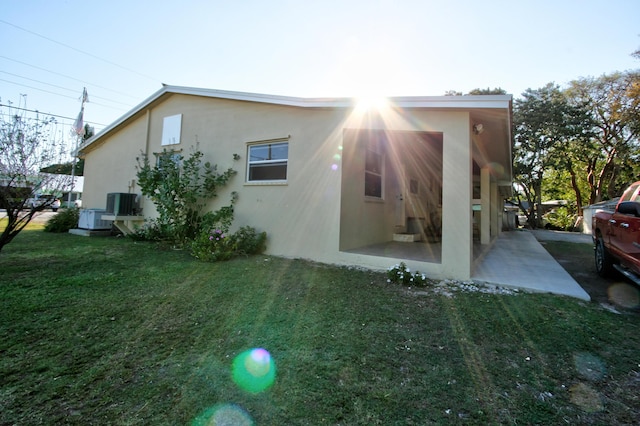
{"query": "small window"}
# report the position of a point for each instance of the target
(268, 162)
(373, 174)
(168, 158)
(171, 128)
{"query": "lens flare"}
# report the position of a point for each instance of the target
(496, 169)
(254, 370)
(624, 295)
(585, 397)
(589, 366)
(334, 167)
(223, 415)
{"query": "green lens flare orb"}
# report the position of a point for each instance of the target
(254, 370)
(223, 415)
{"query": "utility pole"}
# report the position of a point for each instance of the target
(78, 128)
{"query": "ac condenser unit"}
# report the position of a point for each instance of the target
(92, 219)
(121, 204)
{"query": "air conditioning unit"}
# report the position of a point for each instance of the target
(92, 219)
(121, 204)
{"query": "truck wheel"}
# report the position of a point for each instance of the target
(604, 264)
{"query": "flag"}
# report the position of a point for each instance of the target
(78, 125)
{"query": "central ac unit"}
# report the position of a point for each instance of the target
(121, 204)
(92, 219)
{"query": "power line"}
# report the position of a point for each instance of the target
(57, 94)
(63, 88)
(36, 88)
(80, 51)
(46, 113)
(69, 77)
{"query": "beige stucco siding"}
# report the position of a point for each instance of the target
(320, 212)
(300, 216)
(110, 166)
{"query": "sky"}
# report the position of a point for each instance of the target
(123, 51)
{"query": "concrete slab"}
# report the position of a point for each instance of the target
(91, 232)
(517, 259)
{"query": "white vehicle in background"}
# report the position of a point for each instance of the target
(47, 200)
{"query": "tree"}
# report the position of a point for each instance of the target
(613, 104)
(545, 124)
(27, 145)
(488, 91)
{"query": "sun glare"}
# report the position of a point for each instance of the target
(371, 102)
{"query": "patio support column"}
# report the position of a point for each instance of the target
(486, 206)
(457, 177)
(497, 210)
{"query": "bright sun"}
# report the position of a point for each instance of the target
(370, 102)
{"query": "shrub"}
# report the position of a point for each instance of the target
(248, 241)
(400, 274)
(561, 218)
(179, 187)
(65, 220)
(218, 244)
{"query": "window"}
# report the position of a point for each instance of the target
(268, 162)
(171, 127)
(629, 193)
(373, 174)
(168, 158)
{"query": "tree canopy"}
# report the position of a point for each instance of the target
(27, 145)
(580, 143)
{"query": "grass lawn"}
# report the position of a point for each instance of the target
(108, 331)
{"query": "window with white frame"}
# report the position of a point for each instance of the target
(267, 162)
(373, 170)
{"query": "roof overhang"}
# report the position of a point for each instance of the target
(487, 102)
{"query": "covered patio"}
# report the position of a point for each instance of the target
(514, 259)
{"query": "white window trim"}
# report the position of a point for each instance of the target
(249, 162)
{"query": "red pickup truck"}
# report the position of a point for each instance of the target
(616, 236)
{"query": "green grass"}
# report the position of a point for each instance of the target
(108, 331)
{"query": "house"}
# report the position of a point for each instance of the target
(415, 179)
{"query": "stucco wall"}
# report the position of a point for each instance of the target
(303, 216)
(110, 167)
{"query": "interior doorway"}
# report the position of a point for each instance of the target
(419, 176)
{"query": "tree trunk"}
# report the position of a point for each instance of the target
(576, 190)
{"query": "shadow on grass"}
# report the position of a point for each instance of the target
(111, 331)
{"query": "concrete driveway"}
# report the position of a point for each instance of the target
(517, 259)
(570, 237)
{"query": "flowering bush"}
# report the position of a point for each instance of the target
(179, 188)
(401, 274)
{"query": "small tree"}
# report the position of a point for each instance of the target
(27, 145)
(179, 188)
